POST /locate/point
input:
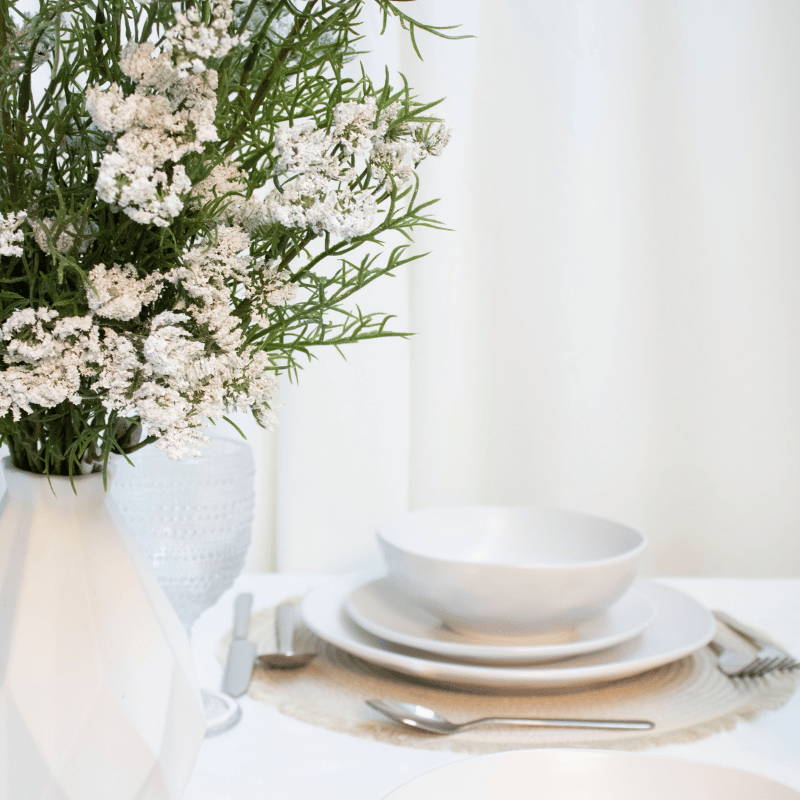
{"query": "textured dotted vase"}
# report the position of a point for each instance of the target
(98, 697)
(193, 519)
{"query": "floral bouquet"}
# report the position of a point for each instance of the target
(183, 187)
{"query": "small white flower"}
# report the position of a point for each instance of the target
(170, 350)
(313, 201)
(227, 184)
(10, 233)
(117, 292)
(197, 42)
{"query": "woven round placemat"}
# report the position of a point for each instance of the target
(687, 700)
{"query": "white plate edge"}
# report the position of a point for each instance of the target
(450, 672)
(500, 653)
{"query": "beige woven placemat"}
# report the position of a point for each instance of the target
(688, 700)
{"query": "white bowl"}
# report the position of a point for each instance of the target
(589, 775)
(508, 570)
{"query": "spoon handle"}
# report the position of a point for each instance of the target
(612, 724)
(284, 627)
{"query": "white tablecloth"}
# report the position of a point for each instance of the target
(272, 757)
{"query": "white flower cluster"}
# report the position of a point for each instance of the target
(47, 357)
(10, 233)
(226, 185)
(311, 201)
(398, 157)
(322, 167)
(320, 194)
(172, 372)
(193, 364)
(171, 113)
(208, 272)
(194, 42)
(119, 293)
(358, 127)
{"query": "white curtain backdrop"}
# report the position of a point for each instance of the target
(612, 325)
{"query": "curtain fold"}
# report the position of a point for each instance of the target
(611, 326)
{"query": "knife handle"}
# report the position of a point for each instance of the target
(241, 615)
(742, 629)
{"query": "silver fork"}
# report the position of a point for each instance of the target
(772, 656)
(735, 663)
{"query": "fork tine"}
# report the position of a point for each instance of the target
(767, 665)
(759, 667)
(767, 649)
(754, 669)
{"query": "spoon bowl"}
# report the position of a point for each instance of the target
(284, 660)
(426, 719)
(285, 657)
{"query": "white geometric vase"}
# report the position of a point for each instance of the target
(98, 696)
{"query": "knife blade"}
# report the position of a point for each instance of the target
(242, 653)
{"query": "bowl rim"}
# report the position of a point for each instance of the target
(606, 561)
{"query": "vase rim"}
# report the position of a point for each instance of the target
(9, 467)
(217, 449)
(58, 489)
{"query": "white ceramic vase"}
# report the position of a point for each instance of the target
(98, 696)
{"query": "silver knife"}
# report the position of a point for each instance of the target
(242, 653)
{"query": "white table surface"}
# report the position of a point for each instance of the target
(268, 756)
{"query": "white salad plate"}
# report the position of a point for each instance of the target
(589, 775)
(680, 626)
(381, 609)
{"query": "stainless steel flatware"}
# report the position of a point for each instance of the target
(242, 653)
(771, 656)
(425, 719)
(735, 663)
(285, 657)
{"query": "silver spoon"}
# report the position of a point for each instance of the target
(285, 657)
(425, 719)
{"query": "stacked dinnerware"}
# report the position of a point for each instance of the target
(509, 596)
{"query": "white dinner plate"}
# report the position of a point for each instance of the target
(382, 609)
(588, 775)
(680, 626)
